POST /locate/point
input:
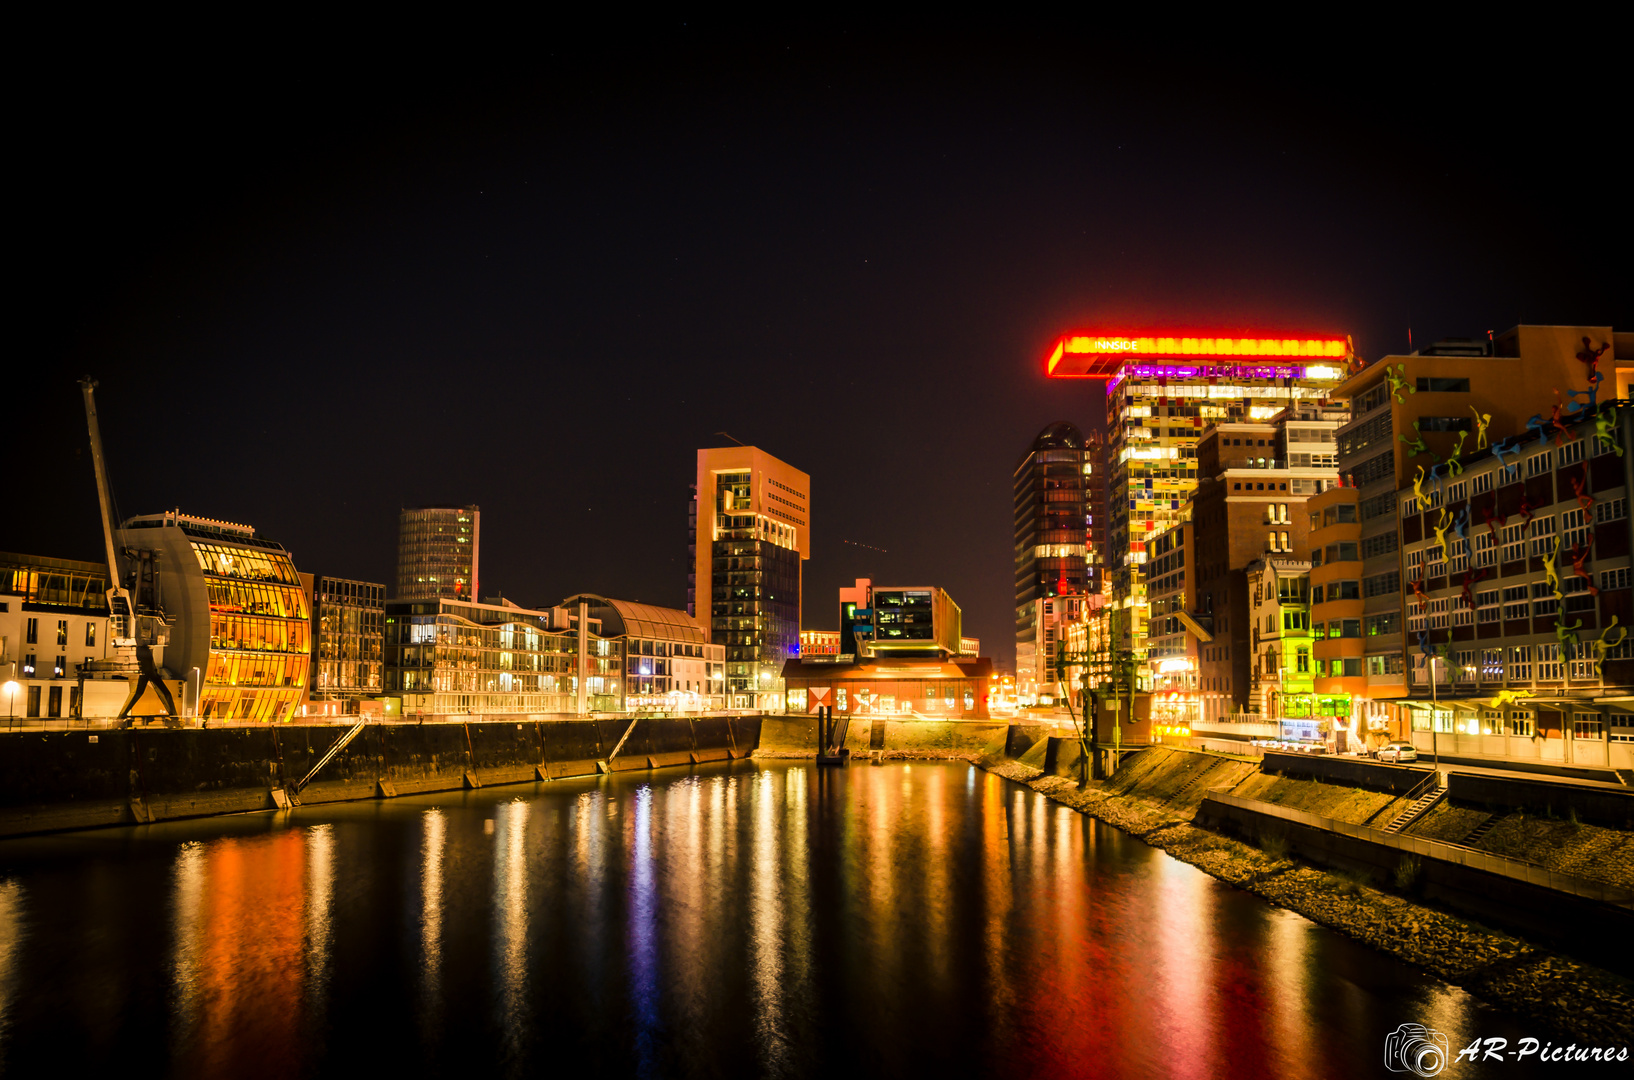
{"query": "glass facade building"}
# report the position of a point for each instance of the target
(447, 657)
(751, 535)
(669, 662)
(348, 634)
(438, 549)
(241, 632)
(1162, 392)
(1057, 549)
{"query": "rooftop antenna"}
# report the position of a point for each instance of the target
(734, 438)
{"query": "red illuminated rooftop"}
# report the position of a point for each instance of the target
(1099, 354)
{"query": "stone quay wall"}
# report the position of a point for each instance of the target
(56, 780)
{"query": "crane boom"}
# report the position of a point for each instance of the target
(88, 386)
(131, 633)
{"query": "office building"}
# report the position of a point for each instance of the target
(1408, 414)
(669, 662)
(751, 535)
(438, 549)
(1056, 621)
(819, 643)
(1250, 506)
(1059, 530)
(445, 657)
(348, 643)
(240, 623)
(896, 620)
(1516, 575)
(1162, 393)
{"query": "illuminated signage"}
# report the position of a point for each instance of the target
(1098, 356)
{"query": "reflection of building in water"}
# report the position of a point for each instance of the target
(445, 656)
(952, 689)
(237, 612)
(669, 662)
(348, 639)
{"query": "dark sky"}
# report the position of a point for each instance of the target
(316, 289)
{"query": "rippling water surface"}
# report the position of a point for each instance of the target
(745, 919)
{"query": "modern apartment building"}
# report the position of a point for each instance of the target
(669, 662)
(348, 643)
(438, 553)
(1060, 523)
(240, 623)
(1163, 391)
(446, 657)
(751, 534)
(53, 620)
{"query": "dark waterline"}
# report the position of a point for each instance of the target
(747, 919)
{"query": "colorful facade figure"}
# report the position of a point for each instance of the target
(1551, 570)
(1605, 430)
(1454, 466)
(1482, 422)
(1512, 467)
(1605, 643)
(1415, 445)
(1441, 527)
(1398, 381)
(1579, 555)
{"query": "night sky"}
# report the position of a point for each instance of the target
(318, 288)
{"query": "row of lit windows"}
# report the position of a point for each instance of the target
(267, 635)
(246, 564)
(280, 601)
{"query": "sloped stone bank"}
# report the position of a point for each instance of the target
(1568, 996)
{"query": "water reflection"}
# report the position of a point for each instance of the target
(510, 904)
(431, 915)
(741, 920)
(11, 938)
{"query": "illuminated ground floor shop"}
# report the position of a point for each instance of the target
(929, 689)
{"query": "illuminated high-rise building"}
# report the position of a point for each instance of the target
(751, 534)
(1059, 528)
(1162, 393)
(437, 553)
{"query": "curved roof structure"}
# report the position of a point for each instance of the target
(1062, 434)
(627, 618)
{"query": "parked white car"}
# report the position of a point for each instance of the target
(1398, 753)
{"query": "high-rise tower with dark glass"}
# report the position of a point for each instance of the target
(1059, 506)
(751, 534)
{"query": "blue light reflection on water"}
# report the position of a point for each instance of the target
(744, 919)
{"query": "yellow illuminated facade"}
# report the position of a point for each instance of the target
(240, 618)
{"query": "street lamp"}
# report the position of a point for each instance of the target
(11, 689)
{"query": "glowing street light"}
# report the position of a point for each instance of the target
(10, 690)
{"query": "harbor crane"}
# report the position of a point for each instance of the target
(135, 625)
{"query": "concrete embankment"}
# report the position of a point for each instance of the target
(1157, 793)
(795, 736)
(74, 780)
